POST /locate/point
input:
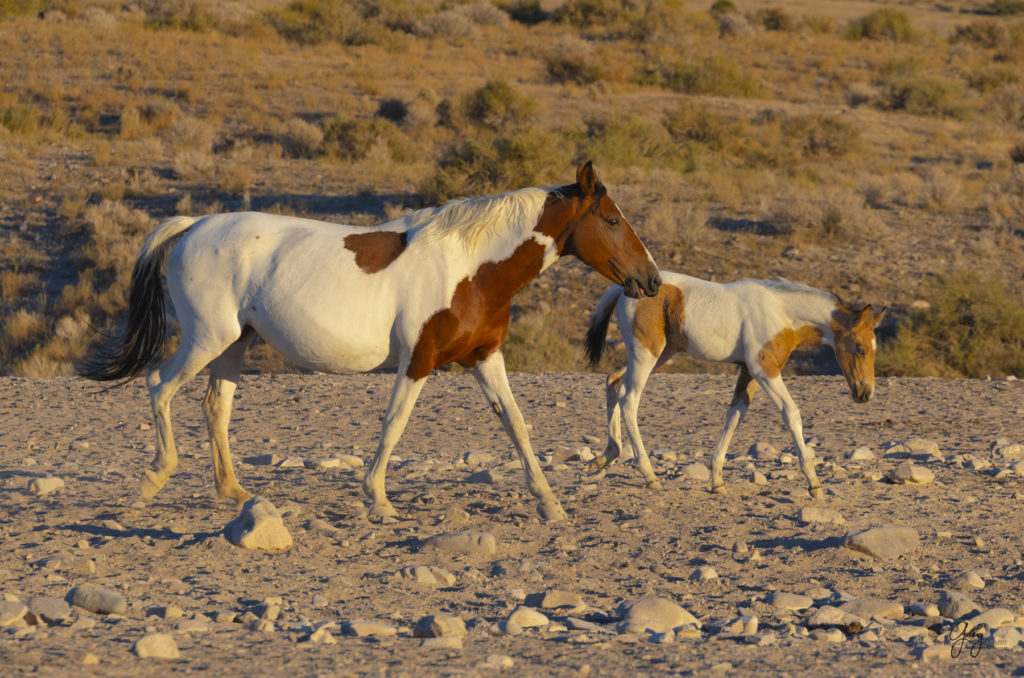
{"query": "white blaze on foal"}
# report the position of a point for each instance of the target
(753, 323)
(424, 290)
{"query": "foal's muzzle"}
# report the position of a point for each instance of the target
(862, 391)
(636, 288)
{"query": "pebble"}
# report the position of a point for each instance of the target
(969, 580)
(828, 635)
(704, 573)
(486, 476)
(322, 636)
(743, 625)
(427, 574)
(363, 629)
(497, 661)
(554, 598)
(98, 600)
(320, 525)
(12, 612)
(323, 464)
(655, 615)
(46, 609)
(439, 625)
(953, 604)
(993, 618)
(476, 458)
(1011, 452)
(763, 451)
(914, 447)
(787, 458)
(470, 543)
(291, 462)
(883, 543)
(758, 478)
(827, 615)
(880, 609)
(862, 453)
(527, 617)
(566, 453)
(259, 526)
(789, 601)
(156, 646)
(695, 471)
(1005, 638)
(817, 514)
(911, 474)
(193, 626)
(44, 486)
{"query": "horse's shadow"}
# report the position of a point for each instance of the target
(163, 534)
(803, 543)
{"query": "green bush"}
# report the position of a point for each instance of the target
(775, 19)
(1004, 7)
(715, 75)
(625, 140)
(695, 122)
(817, 135)
(973, 328)
(883, 24)
(927, 96)
(587, 13)
(314, 22)
(352, 138)
(534, 344)
(13, 8)
(495, 106)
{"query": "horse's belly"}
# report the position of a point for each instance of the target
(357, 347)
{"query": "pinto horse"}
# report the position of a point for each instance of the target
(753, 323)
(427, 289)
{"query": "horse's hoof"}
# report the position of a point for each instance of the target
(236, 494)
(552, 511)
(817, 493)
(718, 489)
(654, 484)
(598, 475)
(382, 510)
(596, 465)
(151, 483)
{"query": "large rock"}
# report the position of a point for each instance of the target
(527, 617)
(47, 610)
(818, 514)
(911, 474)
(12, 612)
(470, 543)
(156, 646)
(953, 604)
(915, 447)
(259, 526)
(695, 471)
(993, 618)
(828, 616)
(883, 543)
(789, 601)
(100, 601)
(881, 609)
(44, 486)
(554, 598)
(654, 614)
(439, 626)
(427, 574)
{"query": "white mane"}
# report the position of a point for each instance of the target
(792, 287)
(472, 220)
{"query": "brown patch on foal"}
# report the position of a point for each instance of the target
(658, 321)
(775, 353)
(375, 250)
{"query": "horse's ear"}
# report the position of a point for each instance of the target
(586, 178)
(864, 317)
(877, 317)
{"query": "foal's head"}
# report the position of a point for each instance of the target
(601, 237)
(855, 346)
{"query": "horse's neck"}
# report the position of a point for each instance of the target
(810, 309)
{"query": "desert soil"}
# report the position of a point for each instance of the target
(622, 542)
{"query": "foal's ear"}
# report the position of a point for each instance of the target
(865, 317)
(877, 318)
(586, 178)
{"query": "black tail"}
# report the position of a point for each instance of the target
(594, 341)
(126, 357)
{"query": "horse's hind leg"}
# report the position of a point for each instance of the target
(613, 449)
(777, 391)
(224, 373)
(163, 383)
(639, 370)
(746, 387)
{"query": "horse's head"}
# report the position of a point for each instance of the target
(855, 346)
(599, 235)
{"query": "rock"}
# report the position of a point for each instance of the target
(817, 514)
(704, 573)
(930, 652)
(786, 458)
(427, 574)
(969, 580)
(442, 643)
(992, 618)
(758, 478)
(526, 617)
(363, 629)
(156, 646)
(486, 476)
(48, 610)
(1010, 452)
(923, 610)
(259, 526)
(883, 543)
(828, 616)
(879, 609)
(476, 458)
(193, 626)
(763, 451)
(656, 615)
(566, 453)
(470, 543)
(100, 601)
(1018, 468)
(744, 625)
(953, 604)
(829, 635)
(323, 464)
(321, 526)
(439, 625)
(351, 460)
(12, 612)
(583, 625)
(322, 636)
(44, 486)
(695, 471)
(497, 661)
(789, 601)
(553, 598)
(862, 453)
(291, 462)
(915, 447)
(911, 474)
(1005, 638)
(263, 460)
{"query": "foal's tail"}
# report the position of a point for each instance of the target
(599, 319)
(126, 357)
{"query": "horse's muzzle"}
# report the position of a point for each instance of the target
(636, 289)
(861, 391)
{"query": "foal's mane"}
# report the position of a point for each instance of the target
(793, 287)
(473, 220)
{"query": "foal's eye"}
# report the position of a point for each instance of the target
(612, 222)
(861, 351)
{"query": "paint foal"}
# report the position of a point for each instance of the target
(427, 289)
(754, 323)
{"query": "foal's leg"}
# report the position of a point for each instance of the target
(746, 387)
(403, 397)
(490, 374)
(637, 372)
(777, 391)
(224, 373)
(163, 383)
(614, 447)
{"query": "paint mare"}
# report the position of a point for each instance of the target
(754, 323)
(424, 290)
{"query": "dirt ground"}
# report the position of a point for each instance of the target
(622, 542)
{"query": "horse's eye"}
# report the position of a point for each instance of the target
(861, 351)
(612, 222)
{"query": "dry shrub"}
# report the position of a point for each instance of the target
(194, 166)
(816, 135)
(626, 140)
(72, 203)
(572, 60)
(13, 284)
(460, 22)
(677, 222)
(188, 133)
(823, 214)
(20, 329)
(1007, 106)
(717, 75)
(942, 190)
(883, 24)
(535, 344)
(115, 230)
(300, 139)
(37, 365)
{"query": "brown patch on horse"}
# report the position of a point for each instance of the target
(658, 321)
(775, 353)
(375, 250)
(474, 325)
(746, 387)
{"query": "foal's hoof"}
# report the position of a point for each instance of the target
(817, 493)
(654, 484)
(552, 511)
(382, 510)
(151, 483)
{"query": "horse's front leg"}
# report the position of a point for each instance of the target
(746, 387)
(224, 372)
(777, 391)
(403, 397)
(639, 370)
(490, 374)
(613, 449)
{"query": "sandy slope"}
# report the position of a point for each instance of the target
(622, 542)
